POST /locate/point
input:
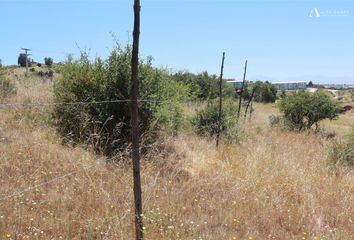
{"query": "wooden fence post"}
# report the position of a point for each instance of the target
(220, 100)
(139, 229)
(242, 88)
(249, 101)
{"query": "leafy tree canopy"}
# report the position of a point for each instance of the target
(304, 110)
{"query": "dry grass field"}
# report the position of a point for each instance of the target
(272, 185)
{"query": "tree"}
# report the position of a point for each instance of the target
(22, 60)
(0, 63)
(304, 110)
(188, 79)
(310, 84)
(48, 61)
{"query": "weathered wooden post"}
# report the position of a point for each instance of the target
(220, 100)
(242, 88)
(139, 230)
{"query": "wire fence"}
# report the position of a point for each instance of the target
(10, 105)
(14, 105)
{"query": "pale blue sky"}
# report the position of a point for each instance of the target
(279, 38)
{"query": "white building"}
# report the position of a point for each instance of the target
(237, 84)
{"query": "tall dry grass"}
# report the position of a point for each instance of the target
(273, 185)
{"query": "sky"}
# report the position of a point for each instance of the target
(282, 40)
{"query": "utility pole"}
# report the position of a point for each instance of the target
(241, 93)
(220, 101)
(26, 53)
(139, 229)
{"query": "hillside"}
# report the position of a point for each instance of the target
(274, 184)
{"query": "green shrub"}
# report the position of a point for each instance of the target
(39, 64)
(206, 121)
(50, 73)
(304, 110)
(32, 69)
(342, 153)
(107, 125)
(282, 94)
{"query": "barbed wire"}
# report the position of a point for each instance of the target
(58, 178)
(34, 104)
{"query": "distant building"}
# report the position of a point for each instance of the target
(237, 84)
(298, 85)
(339, 86)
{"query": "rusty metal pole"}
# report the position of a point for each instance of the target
(220, 101)
(139, 230)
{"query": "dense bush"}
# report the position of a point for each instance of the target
(48, 61)
(0, 63)
(39, 64)
(32, 69)
(107, 125)
(206, 121)
(49, 73)
(304, 110)
(265, 92)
